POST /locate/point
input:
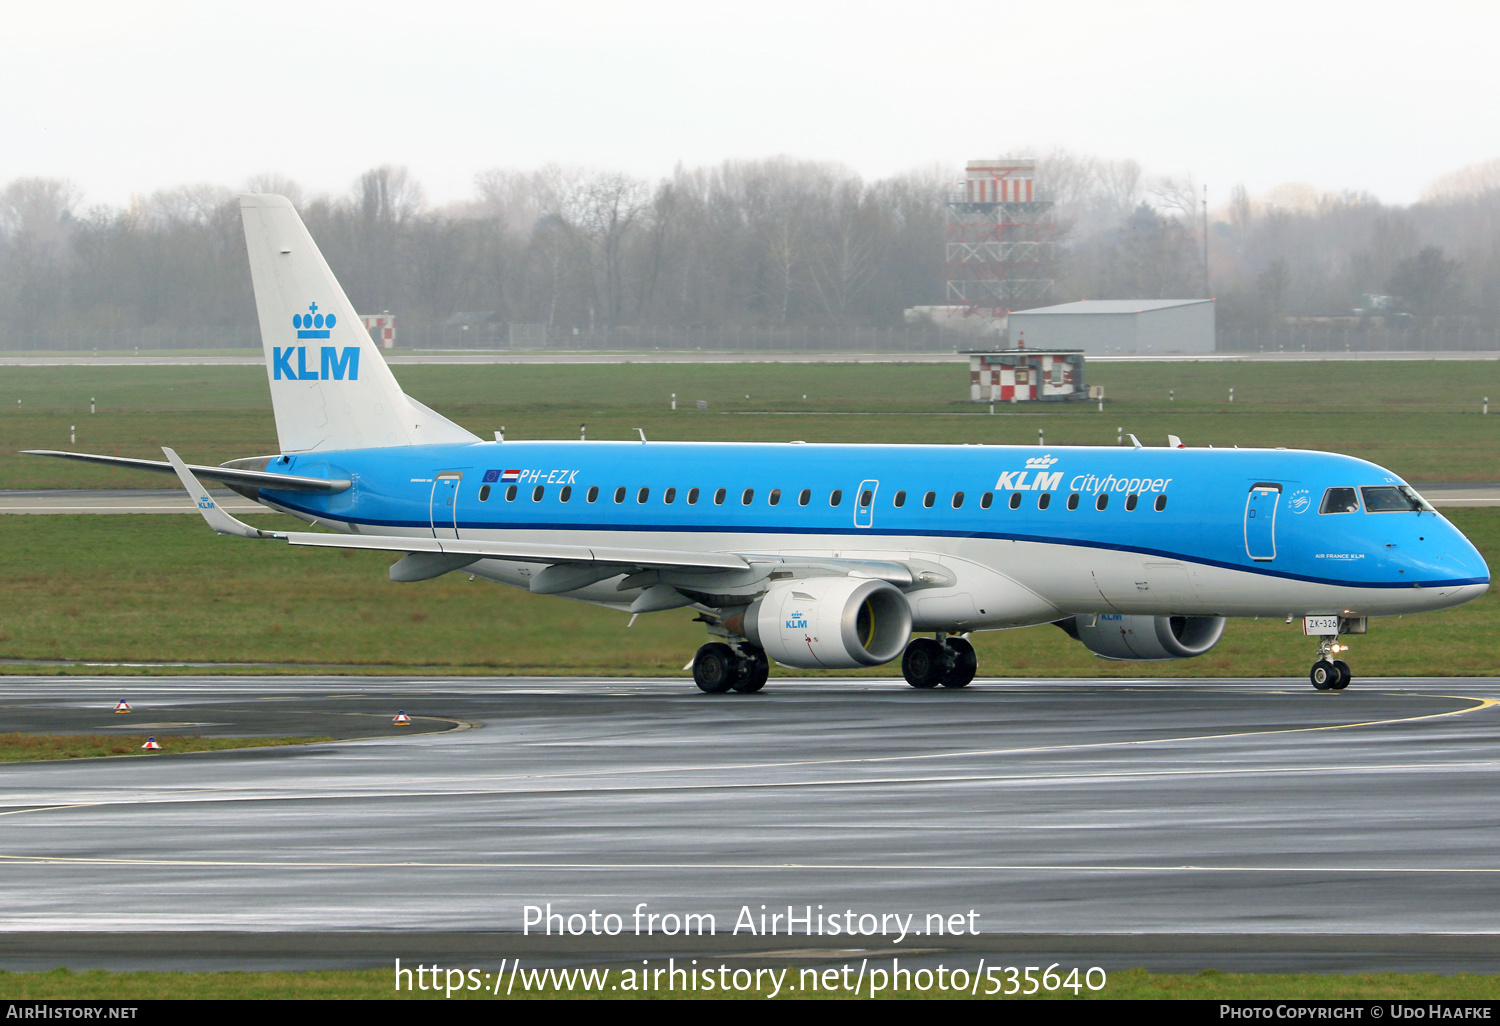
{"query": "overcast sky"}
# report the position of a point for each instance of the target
(131, 97)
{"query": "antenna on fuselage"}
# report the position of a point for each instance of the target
(1174, 442)
(1134, 441)
(642, 433)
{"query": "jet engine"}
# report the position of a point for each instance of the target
(1145, 637)
(828, 622)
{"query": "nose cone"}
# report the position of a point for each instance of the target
(1464, 561)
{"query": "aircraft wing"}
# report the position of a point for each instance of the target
(599, 555)
(225, 475)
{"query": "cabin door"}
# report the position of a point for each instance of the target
(1260, 521)
(443, 509)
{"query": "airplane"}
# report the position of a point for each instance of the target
(821, 555)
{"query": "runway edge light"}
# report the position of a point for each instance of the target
(122, 706)
(151, 745)
(401, 718)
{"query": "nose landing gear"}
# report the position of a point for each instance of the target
(1328, 673)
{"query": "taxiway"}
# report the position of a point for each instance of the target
(1179, 824)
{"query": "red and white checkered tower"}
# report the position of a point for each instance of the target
(1000, 240)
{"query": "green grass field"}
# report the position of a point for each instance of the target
(163, 588)
(42, 747)
(1420, 419)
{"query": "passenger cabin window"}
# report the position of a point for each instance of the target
(510, 494)
(1015, 500)
(537, 493)
(620, 494)
(929, 499)
(1073, 501)
(958, 500)
(775, 497)
(484, 493)
(804, 497)
(1393, 499)
(669, 496)
(836, 498)
(692, 496)
(565, 494)
(1161, 503)
(748, 497)
(1130, 501)
(1339, 500)
(1103, 501)
(865, 497)
(1044, 500)
(593, 494)
(986, 500)
(899, 500)
(642, 495)
(719, 497)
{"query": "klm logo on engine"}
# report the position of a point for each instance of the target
(796, 622)
(290, 363)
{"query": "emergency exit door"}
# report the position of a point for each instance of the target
(864, 503)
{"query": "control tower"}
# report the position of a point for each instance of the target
(1000, 241)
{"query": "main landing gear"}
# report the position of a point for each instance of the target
(718, 668)
(949, 661)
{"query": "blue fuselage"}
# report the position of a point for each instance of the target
(1257, 512)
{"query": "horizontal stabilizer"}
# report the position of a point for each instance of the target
(225, 475)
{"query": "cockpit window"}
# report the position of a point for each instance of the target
(1339, 500)
(1393, 499)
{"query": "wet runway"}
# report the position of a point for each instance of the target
(1240, 824)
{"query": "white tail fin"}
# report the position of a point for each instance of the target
(330, 387)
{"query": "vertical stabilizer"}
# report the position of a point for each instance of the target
(330, 387)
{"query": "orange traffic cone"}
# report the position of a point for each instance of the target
(122, 706)
(151, 745)
(402, 719)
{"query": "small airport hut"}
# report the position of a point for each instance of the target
(1118, 326)
(382, 328)
(1016, 375)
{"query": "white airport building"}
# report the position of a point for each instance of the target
(1118, 326)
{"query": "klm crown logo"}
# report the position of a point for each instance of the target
(1040, 462)
(313, 324)
(333, 364)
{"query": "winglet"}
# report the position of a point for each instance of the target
(220, 521)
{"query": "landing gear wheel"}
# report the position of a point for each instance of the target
(752, 670)
(962, 663)
(713, 668)
(1324, 676)
(1345, 675)
(924, 664)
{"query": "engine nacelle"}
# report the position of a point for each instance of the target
(1146, 637)
(829, 622)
